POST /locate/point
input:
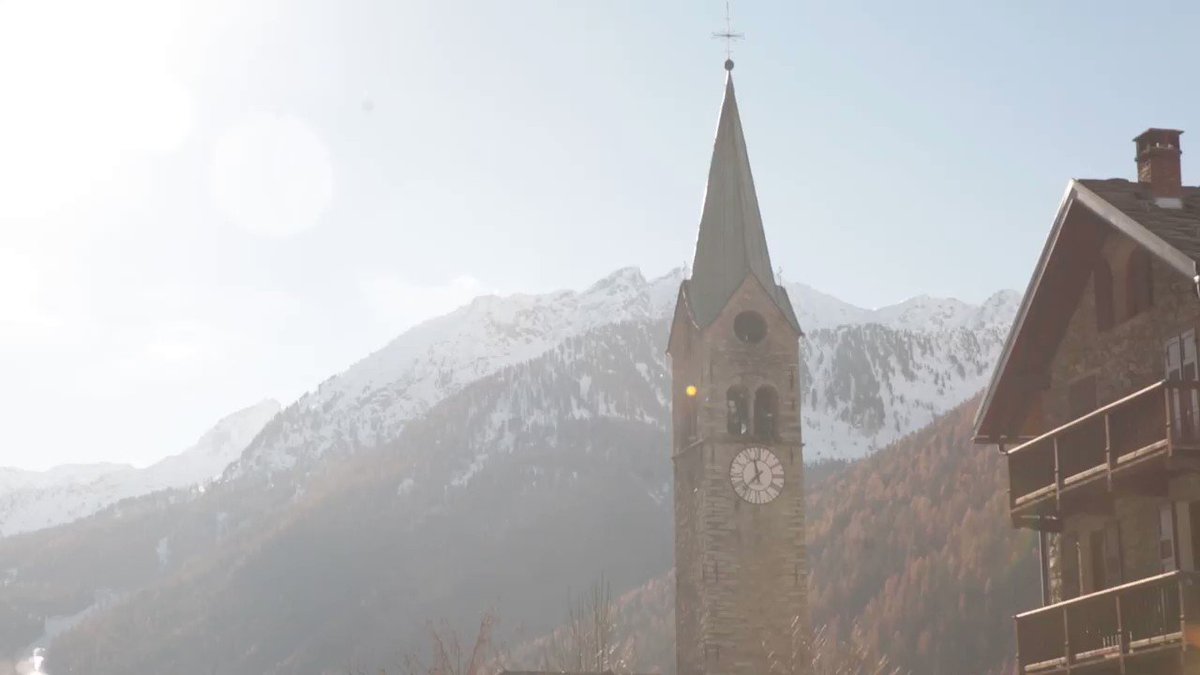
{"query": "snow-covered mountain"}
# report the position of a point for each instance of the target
(66, 474)
(516, 429)
(924, 314)
(370, 402)
(877, 374)
(32, 500)
(873, 376)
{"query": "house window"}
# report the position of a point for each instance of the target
(1181, 357)
(1139, 283)
(1166, 537)
(1102, 282)
(1192, 530)
(766, 410)
(1180, 362)
(737, 411)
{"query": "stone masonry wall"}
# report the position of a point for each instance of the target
(687, 460)
(751, 591)
(1124, 358)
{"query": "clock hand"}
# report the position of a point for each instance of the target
(757, 473)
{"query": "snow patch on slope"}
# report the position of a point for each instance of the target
(370, 402)
(870, 385)
(924, 313)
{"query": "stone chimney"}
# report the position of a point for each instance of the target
(1158, 165)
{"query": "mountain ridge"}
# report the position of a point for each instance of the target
(31, 501)
(577, 432)
(928, 352)
(372, 399)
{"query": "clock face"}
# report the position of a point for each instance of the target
(757, 475)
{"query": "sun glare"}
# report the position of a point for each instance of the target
(272, 174)
(88, 90)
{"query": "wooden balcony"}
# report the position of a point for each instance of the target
(1152, 625)
(1131, 443)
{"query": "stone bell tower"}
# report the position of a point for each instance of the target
(741, 602)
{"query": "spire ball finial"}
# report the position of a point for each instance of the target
(729, 65)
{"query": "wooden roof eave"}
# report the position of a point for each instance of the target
(1075, 192)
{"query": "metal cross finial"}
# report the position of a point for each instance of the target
(729, 36)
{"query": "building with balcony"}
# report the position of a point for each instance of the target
(1095, 404)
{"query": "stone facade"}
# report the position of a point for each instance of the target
(1128, 355)
(1120, 360)
(741, 571)
(1103, 459)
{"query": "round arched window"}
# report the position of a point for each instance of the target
(750, 327)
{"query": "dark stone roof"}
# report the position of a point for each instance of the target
(1178, 227)
(731, 244)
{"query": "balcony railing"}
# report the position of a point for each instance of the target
(1158, 423)
(1127, 622)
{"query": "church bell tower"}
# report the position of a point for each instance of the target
(741, 605)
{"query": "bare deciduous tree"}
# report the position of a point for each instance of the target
(449, 655)
(825, 654)
(831, 656)
(589, 641)
(796, 660)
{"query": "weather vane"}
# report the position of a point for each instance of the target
(729, 36)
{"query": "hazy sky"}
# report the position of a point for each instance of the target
(208, 202)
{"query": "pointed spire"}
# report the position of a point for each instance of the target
(731, 244)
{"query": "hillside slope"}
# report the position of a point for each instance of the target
(911, 558)
(480, 459)
(502, 494)
(914, 545)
